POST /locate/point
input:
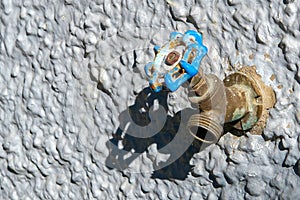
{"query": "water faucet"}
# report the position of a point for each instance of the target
(241, 100)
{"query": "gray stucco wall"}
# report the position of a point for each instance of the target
(69, 69)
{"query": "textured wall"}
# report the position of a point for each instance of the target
(69, 71)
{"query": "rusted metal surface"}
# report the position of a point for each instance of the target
(172, 58)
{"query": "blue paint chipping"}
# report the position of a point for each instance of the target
(181, 71)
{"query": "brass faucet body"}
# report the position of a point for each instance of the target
(241, 100)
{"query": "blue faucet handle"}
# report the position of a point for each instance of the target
(189, 68)
(176, 61)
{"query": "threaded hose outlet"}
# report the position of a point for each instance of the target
(211, 129)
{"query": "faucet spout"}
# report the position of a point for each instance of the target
(209, 94)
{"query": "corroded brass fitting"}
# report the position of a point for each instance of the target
(242, 100)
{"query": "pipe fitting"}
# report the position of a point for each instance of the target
(209, 93)
(241, 100)
(208, 122)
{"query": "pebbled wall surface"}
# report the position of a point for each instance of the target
(69, 69)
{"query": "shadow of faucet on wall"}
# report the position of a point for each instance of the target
(146, 123)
